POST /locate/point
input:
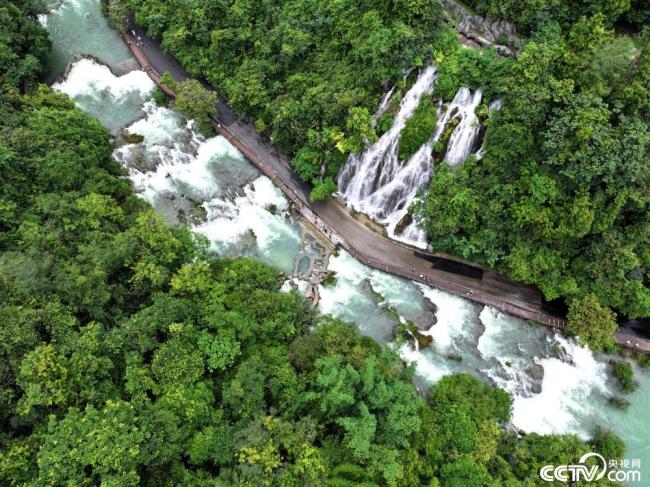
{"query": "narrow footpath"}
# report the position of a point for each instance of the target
(336, 224)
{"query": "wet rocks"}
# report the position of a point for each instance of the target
(403, 223)
(430, 314)
(369, 290)
(137, 158)
(131, 138)
(311, 264)
(409, 332)
(536, 373)
(74, 59)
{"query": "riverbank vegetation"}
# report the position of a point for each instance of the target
(133, 357)
(560, 198)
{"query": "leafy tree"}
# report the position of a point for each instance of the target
(118, 15)
(24, 46)
(194, 101)
(591, 322)
(107, 443)
(463, 472)
(323, 190)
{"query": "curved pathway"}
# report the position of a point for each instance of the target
(335, 224)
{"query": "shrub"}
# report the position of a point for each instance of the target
(159, 97)
(624, 375)
(384, 123)
(418, 128)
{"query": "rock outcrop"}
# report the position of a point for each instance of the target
(486, 31)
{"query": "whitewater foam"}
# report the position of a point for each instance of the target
(574, 379)
(113, 100)
(456, 323)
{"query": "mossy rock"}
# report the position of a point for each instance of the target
(424, 341)
(440, 147)
(330, 279)
(130, 138)
(409, 332)
(619, 402)
(404, 222)
(482, 112)
(198, 213)
(376, 297)
(624, 375)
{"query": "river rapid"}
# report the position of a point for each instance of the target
(558, 386)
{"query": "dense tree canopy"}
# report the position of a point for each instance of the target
(23, 44)
(132, 357)
(560, 198)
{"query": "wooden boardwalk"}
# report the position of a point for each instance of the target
(495, 291)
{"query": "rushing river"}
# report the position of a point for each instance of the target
(558, 387)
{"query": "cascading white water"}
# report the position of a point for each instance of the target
(365, 173)
(175, 168)
(383, 106)
(463, 139)
(377, 183)
(113, 100)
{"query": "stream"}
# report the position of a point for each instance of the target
(558, 386)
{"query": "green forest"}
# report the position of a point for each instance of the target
(560, 199)
(131, 356)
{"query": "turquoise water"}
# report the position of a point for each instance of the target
(78, 26)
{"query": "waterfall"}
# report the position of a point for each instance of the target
(383, 106)
(464, 137)
(377, 183)
(365, 173)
